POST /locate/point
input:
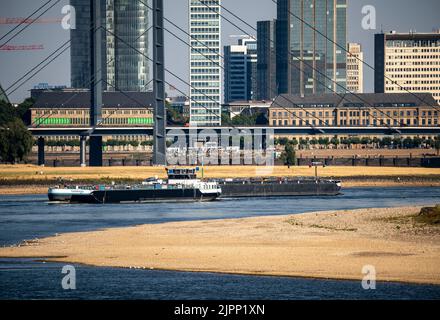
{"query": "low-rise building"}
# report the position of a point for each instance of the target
(360, 110)
(71, 108)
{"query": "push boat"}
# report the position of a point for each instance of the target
(182, 185)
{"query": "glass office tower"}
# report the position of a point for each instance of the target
(307, 62)
(122, 67)
(241, 70)
(205, 72)
(266, 73)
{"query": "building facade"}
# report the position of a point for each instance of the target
(407, 62)
(307, 62)
(266, 65)
(252, 65)
(240, 70)
(205, 62)
(236, 68)
(71, 108)
(355, 68)
(122, 67)
(367, 109)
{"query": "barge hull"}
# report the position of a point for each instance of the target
(159, 195)
(237, 190)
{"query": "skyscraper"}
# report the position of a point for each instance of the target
(236, 85)
(252, 66)
(241, 70)
(205, 70)
(407, 62)
(355, 68)
(305, 58)
(122, 67)
(266, 66)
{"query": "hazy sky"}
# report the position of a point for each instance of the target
(400, 15)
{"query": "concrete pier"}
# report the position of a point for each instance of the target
(41, 160)
(82, 151)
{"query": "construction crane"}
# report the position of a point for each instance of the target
(24, 20)
(21, 47)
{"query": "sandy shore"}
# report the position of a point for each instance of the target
(334, 244)
(30, 179)
(32, 172)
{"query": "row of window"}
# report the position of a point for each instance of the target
(86, 121)
(286, 114)
(355, 122)
(87, 112)
(206, 16)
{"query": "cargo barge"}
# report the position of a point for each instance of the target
(183, 186)
(274, 187)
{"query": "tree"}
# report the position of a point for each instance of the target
(437, 144)
(283, 141)
(386, 142)
(23, 110)
(7, 113)
(365, 141)
(174, 116)
(289, 155)
(335, 141)
(15, 141)
(323, 141)
(408, 143)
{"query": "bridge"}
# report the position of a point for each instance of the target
(173, 132)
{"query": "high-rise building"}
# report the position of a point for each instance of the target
(252, 65)
(205, 62)
(355, 68)
(122, 67)
(241, 70)
(407, 62)
(308, 62)
(266, 68)
(236, 85)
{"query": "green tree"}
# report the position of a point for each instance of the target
(365, 141)
(408, 143)
(335, 141)
(23, 110)
(289, 155)
(174, 116)
(7, 113)
(437, 144)
(283, 141)
(386, 142)
(15, 141)
(323, 141)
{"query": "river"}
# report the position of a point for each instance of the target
(31, 216)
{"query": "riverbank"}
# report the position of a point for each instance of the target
(333, 244)
(30, 179)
